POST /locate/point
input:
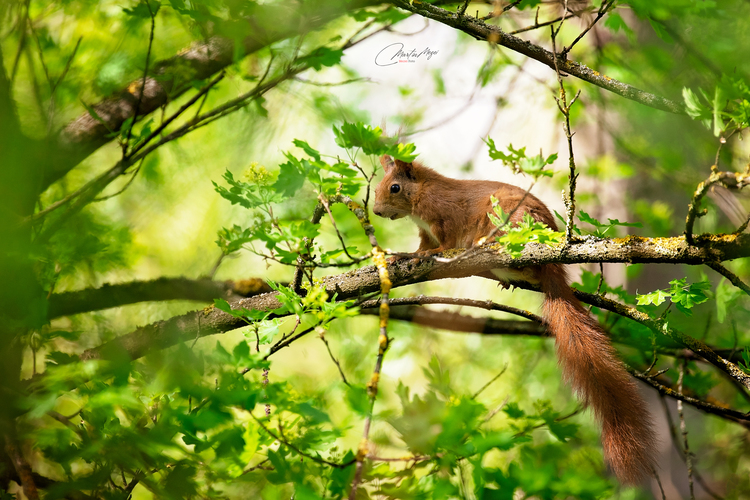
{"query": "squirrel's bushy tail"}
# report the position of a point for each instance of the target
(590, 365)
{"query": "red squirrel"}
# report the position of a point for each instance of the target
(452, 213)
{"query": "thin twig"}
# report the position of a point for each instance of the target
(676, 443)
(333, 84)
(743, 226)
(728, 413)
(325, 204)
(41, 53)
(481, 304)
(537, 25)
(288, 444)
(258, 466)
(143, 81)
(333, 358)
(575, 412)
(684, 431)
(494, 412)
(67, 65)
(603, 9)
(126, 186)
(658, 481)
(485, 386)
(23, 469)
(462, 9)
(496, 12)
(730, 180)
(63, 420)
(733, 278)
(165, 123)
(383, 341)
(562, 104)
(485, 32)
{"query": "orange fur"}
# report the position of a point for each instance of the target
(453, 213)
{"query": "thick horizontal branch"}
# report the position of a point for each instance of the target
(363, 281)
(116, 295)
(480, 30)
(171, 77)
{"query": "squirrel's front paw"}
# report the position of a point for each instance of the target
(429, 253)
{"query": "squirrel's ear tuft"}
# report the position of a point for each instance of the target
(406, 168)
(387, 163)
(403, 165)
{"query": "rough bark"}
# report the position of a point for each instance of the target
(115, 295)
(364, 281)
(171, 77)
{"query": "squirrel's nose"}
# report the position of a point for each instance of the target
(378, 212)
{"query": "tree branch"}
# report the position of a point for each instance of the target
(697, 403)
(171, 77)
(631, 249)
(457, 322)
(23, 469)
(486, 32)
(116, 295)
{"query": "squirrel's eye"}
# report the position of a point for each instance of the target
(395, 188)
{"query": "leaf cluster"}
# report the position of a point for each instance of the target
(519, 234)
(519, 162)
(682, 294)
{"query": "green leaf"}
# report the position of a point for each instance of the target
(403, 152)
(656, 298)
(439, 379)
(322, 56)
(693, 106)
(144, 10)
(359, 135)
(341, 478)
(685, 296)
(513, 410)
(389, 15)
(527, 231)
(616, 23)
(358, 400)
(661, 31)
(519, 162)
(313, 153)
(602, 228)
(726, 296)
(291, 178)
(560, 429)
(718, 106)
(745, 363)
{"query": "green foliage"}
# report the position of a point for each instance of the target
(601, 228)
(728, 108)
(221, 419)
(594, 283)
(515, 237)
(285, 240)
(372, 141)
(322, 57)
(517, 160)
(390, 15)
(683, 295)
(745, 363)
